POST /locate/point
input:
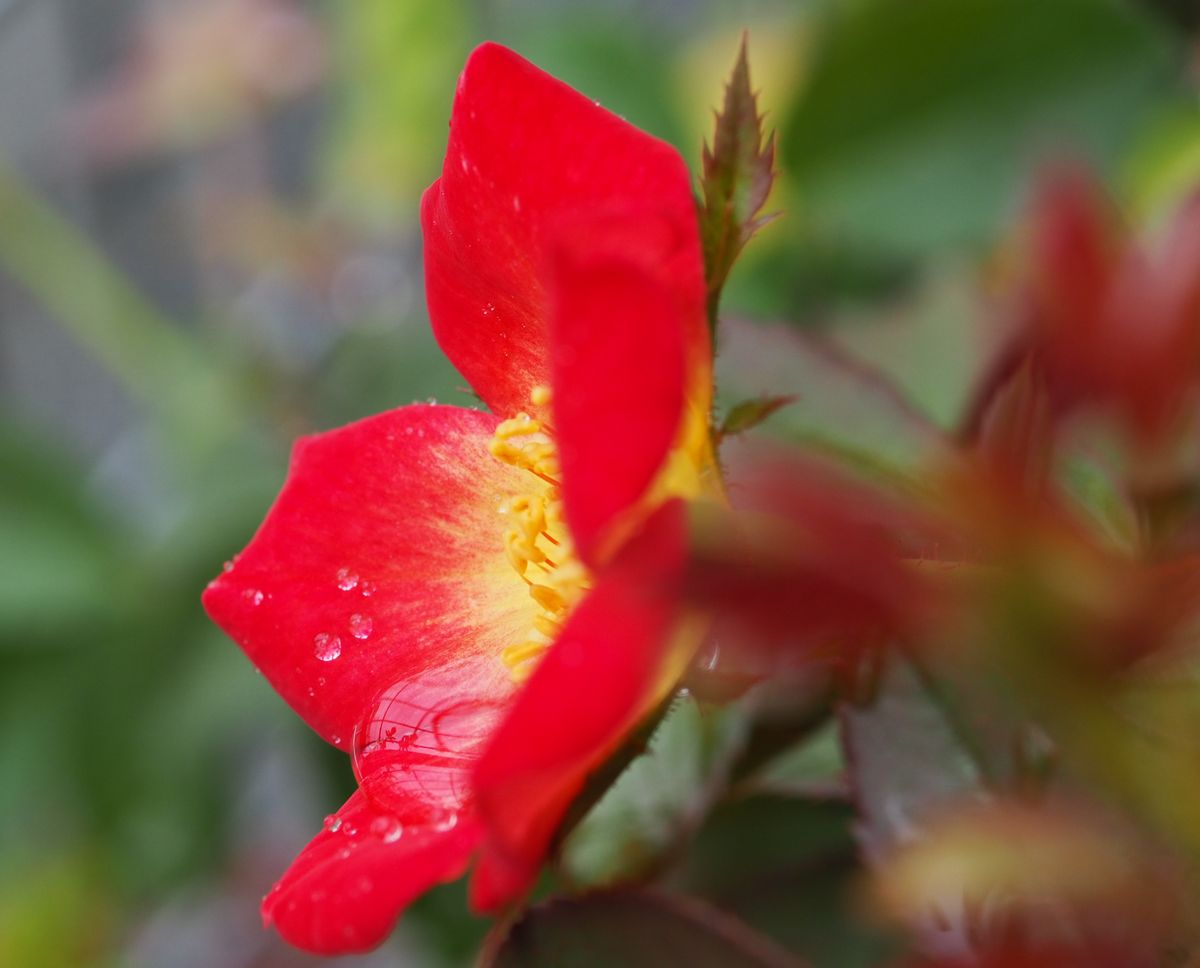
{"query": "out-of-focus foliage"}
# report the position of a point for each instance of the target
(142, 808)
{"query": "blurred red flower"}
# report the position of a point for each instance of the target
(457, 598)
(1114, 323)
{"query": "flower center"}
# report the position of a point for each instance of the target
(536, 538)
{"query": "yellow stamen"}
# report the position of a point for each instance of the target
(536, 523)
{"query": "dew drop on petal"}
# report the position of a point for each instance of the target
(326, 647)
(388, 829)
(445, 821)
(333, 823)
(465, 164)
(346, 579)
(349, 829)
(361, 626)
(253, 596)
(367, 589)
(516, 203)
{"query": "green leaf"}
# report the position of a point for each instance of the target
(737, 178)
(655, 804)
(788, 868)
(911, 756)
(844, 408)
(750, 413)
(813, 768)
(396, 67)
(61, 560)
(920, 120)
(633, 930)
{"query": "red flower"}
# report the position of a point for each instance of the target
(457, 598)
(1116, 324)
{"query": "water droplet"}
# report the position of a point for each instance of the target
(446, 821)
(326, 647)
(311, 692)
(349, 829)
(320, 680)
(516, 204)
(432, 401)
(228, 566)
(361, 626)
(333, 823)
(413, 752)
(387, 829)
(367, 589)
(253, 596)
(346, 579)
(465, 164)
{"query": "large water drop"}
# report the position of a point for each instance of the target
(326, 647)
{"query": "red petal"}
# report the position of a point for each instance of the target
(527, 157)
(628, 332)
(498, 880)
(348, 886)
(613, 663)
(385, 550)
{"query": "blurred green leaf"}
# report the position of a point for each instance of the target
(58, 555)
(789, 869)
(811, 768)
(396, 67)
(919, 122)
(658, 799)
(934, 344)
(174, 375)
(55, 916)
(906, 759)
(842, 406)
(634, 930)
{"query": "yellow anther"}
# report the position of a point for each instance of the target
(514, 559)
(548, 598)
(521, 652)
(517, 544)
(537, 535)
(522, 425)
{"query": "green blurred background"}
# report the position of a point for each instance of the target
(208, 246)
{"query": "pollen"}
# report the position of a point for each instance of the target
(535, 536)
